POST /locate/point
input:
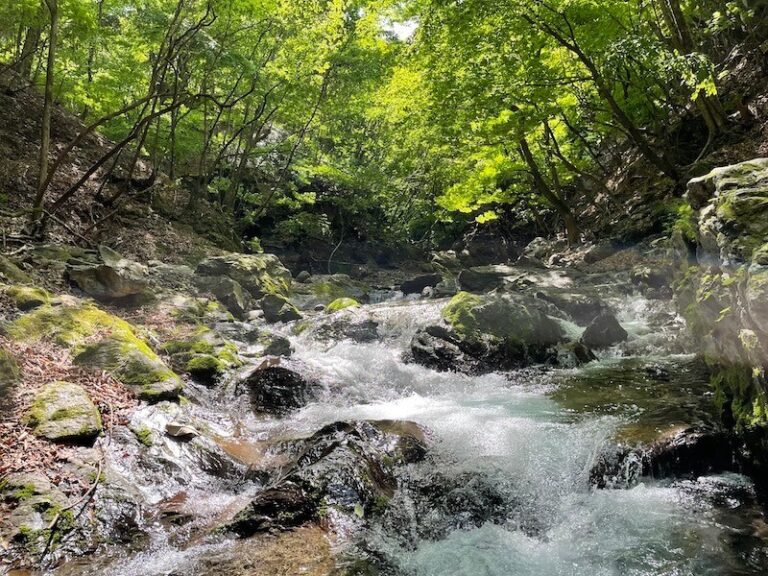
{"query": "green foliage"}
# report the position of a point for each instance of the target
(312, 120)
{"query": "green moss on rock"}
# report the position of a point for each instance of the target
(341, 304)
(26, 297)
(136, 366)
(9, 369)
(63, 411)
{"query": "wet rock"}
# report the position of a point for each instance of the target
(419, 283)
(114, 279)
(349, 467)
(35, 502)
(685, 454)
(276, 389)
(258, 274)
(278, 346)
(438, 348)
(580, 307)
(278, 309)
(486, 333)
(279, 508)
(64, 412)
(205, 355)
(227, 291)
(604, 331)
(348, 327)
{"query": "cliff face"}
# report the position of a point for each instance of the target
(723, 291)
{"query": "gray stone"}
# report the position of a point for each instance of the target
(64, 412)
(115, 278)
(258, 274)
(604, 331)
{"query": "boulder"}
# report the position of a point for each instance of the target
(487, 333)
(604, 331)
(114, 279)
(582, 308)
(99, 340)
(417, 284)
(303, 277)
(227, 291)
(277, 308)
(351, 468)
(205, 355)
(276, 387)
(324, 289)
(64, 412)
(348, 327)
(599, 251)
(484, 278)
(258, 274)
(26, 298)
(688, 453)
(12, 273)
(135, 365)
(174, 276)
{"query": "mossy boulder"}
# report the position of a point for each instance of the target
(12, 273)
(732, 210)
(483, 333)
(35, 502)
(508, 317)
(26, 297)
(258, 274)
(321, 290)
(341, 304)
(9, 370)
(64, 412)
(278, 308)
(113, 279)
(120, 351)
(227, 291)
(204, 355)
(135, 365)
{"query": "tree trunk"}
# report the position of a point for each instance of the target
(24, 65)
(45, 132)
(638, 138)
(571, 226)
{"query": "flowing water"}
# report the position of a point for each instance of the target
(505, 489)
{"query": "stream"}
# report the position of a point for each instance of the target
(505, 489)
